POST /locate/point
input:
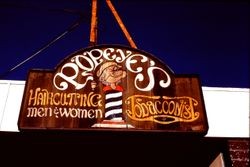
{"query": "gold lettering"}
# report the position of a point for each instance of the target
(179, 108)
(83, 99)
(157, 106)
(64, 99)
(43, 97)
(95, 100)
(40, 99)
(142, 108)
(149, 108)
(56, 100)
(165, 107)
(70, 97)
(32, 98)
(171, 107)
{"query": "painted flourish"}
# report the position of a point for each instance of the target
(84, 64)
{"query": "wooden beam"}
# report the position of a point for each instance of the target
(93, 29)
(122, 26)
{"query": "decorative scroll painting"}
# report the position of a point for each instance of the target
(112, 87)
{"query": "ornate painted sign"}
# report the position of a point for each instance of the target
(112, 87)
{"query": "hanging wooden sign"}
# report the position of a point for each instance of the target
(112, 87)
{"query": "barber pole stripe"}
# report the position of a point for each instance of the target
(113, 112)
(113, 95)
(113, 104)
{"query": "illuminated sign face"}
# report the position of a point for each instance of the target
(112, 86)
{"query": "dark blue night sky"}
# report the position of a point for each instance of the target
(208, 38)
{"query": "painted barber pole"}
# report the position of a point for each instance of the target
(110, 74)
(113, 105)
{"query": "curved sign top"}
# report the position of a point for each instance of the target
(112, 87)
